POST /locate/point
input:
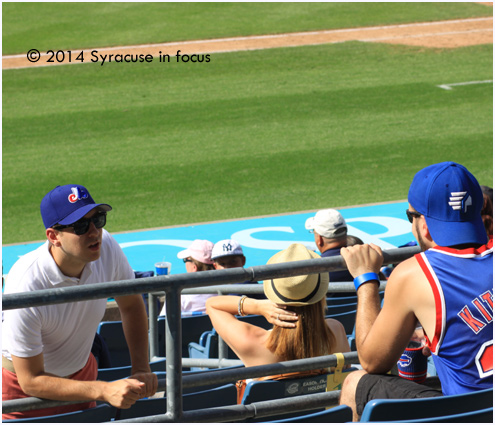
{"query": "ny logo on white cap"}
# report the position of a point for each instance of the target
(458, 201)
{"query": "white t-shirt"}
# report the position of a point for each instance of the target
(64, 333)
(194, 303)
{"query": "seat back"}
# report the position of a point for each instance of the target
(113, 335)
(348, 319)
(192, 328)
(339, 414)
(114, 373)
(476, 416)
(271, 390)
(221, 396)
(100, 413)
(422, 408)
(340, 308)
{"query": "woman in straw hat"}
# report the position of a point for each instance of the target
(298, 332)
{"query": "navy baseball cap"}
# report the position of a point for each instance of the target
(67, 204)
(450, 199)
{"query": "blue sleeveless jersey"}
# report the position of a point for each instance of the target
(462, 346)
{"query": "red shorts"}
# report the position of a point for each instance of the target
(11, 390)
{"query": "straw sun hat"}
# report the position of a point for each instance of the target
(296, 290)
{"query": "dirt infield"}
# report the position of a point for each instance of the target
(441, 34)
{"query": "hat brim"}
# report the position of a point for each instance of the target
(320, 289)
(81, 212)
(320, 283)
(448, 233)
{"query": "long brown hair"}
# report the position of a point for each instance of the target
(310, 338)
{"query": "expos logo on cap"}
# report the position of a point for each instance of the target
(67, 204)
(77, 194)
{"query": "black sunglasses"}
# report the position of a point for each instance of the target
(82, 226)
(412, 214)
(187, 260)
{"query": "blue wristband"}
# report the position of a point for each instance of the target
(366, 277)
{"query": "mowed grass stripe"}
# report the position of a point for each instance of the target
(248, 134)
(62, 25)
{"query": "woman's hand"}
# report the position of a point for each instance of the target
(277, 314)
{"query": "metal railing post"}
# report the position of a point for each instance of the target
(153, 325)
(223, 349)
(173, 352)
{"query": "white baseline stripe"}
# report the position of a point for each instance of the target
(467, 83)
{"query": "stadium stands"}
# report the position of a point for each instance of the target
(101, 413)
(221, 396)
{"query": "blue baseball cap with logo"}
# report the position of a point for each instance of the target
(67, 204)
(450, 199)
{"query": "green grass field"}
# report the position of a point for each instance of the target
(247, 134)
(80, 25)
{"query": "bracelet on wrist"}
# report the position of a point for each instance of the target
(365, 278)
(241, 305)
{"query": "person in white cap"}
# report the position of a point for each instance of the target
(228, 254)
(295, 306)
(197, 258)
(330, 232)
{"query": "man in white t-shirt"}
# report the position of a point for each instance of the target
(46, 350)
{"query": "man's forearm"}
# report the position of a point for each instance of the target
(367, 312)
(135, 325)
(53, 387)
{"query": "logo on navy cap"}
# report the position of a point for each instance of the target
(77, 194)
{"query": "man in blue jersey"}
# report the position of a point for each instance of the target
(448, 288)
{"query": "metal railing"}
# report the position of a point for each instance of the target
(172, 286)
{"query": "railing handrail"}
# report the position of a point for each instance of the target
(187, 280)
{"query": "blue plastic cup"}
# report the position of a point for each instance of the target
(162, 268)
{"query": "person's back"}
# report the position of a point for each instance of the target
(448, 289)
(295, 306)
(465, 309)
(330, 233)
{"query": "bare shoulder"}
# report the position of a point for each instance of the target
(335, 326)
(338, 330)
(409, 289)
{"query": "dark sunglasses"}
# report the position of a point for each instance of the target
(412, 214)
(187, 260)
(82, 226)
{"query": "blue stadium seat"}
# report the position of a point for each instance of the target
(207, 348)
(114, 373)
(270, 390)
(221, 396)
(113, 334)
(348, 319)
(339, 414)
(476, 416)
(381, 410)
(192, 328)
(100, 413)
